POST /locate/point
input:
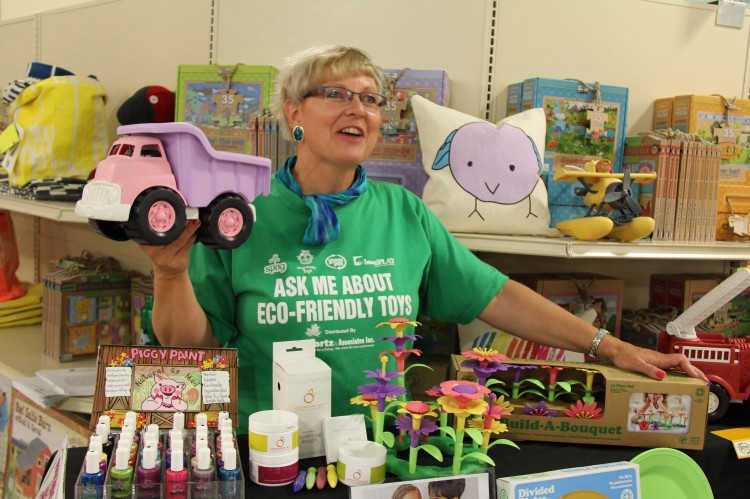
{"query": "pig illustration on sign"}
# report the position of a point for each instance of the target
(166, 395)
(495, 165)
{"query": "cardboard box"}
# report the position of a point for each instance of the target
(625, 418)
(223, 100)
(302, 385)
(397, 156)
(579, 291)
(84, 307)
(513, 103)
(662, 117)
(733, 213)
(612, 480)
(572, 138)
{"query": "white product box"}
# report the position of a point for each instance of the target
(302, 385)
(612, 480)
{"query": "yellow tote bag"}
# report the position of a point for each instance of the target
(59, 129)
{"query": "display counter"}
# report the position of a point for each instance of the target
(726, 473)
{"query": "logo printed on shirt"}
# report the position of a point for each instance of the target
(305, 258)
(276, 266)
(379, 262)
(336, 262)
(313, 331)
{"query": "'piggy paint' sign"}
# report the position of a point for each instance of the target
(156, 382)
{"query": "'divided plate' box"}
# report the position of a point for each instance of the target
(302, 385)
(605, 405)
(223, 101)
(397, 156)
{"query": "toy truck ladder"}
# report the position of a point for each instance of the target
(684, 325)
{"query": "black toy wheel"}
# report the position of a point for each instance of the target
(109, 229)
(157, 217)
(225, 223)
(718, 402)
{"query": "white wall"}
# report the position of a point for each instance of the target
(656, 48)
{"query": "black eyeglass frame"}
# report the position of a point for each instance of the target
(349, 94)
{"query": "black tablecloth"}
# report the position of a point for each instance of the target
(728, 475)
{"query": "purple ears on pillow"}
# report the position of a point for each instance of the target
(495, 165)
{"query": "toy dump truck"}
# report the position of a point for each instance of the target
(724, 361)
(156, 176)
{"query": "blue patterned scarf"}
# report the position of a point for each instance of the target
(324, 224)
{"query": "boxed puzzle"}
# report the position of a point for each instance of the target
(397, 156)
(223, 100)
(85, 303)
(585, 121)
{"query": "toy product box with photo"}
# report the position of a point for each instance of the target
(223, 100)
(616, 480)
(397, 156)
(157, 382)
(598, 404)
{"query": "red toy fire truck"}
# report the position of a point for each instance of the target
(725, 361)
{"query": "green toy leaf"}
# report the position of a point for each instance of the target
(535, 382)
(493, 381)
(392, 405)
(432, 450)
(449, 431)
(417, 365)
(564, 385)
(503, 441)
(480, 457)
(388, 438)
(475, 435)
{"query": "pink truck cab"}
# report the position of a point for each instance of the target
(158, 175)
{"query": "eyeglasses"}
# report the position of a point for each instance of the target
(370, 100)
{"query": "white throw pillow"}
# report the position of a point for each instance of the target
(484, 178)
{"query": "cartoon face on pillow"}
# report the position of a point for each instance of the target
(484, 178)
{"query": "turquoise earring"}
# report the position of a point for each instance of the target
(298, 133)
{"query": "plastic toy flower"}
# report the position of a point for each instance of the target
(416, 411)
(435, 391)
(399, 324)
(643, 425)
(584, 410)
(401, 355)
(484, 362)
(368, 401)
(381, 391)
(463, 391)
(540, 410)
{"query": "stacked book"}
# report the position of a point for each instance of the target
(683, 199)
(49, 387)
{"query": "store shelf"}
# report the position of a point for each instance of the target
(574, 248)
(21, 356)
(53, 210)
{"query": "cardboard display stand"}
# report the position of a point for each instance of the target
(156, 382)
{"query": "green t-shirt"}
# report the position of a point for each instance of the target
(393, 258)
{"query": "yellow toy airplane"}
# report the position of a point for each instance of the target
(613, 212)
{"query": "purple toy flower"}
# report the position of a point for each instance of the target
(540, 410)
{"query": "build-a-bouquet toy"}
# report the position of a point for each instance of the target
(475, 410)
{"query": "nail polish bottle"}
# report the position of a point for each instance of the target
(175, 439)
(102, 429)
(148, 481)
(204, 476)
(229, 474)
(95, 443)
(201, 419)
(121, 474)
(92, 478)
(200, 443)
(178, 421)
(107, 422)
(176, 476)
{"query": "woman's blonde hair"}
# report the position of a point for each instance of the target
(309, 68)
